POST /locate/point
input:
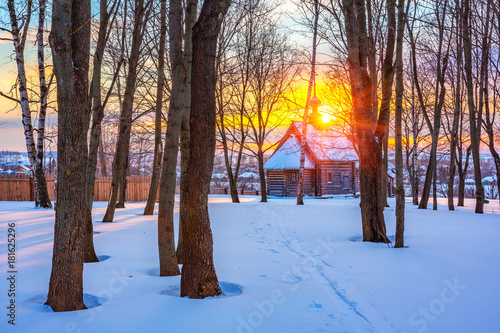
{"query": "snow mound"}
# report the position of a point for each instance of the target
(228, 290)
(37, 302)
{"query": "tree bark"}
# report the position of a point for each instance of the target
(102, 157)
(199, 279)
(456, 118)
(369, 130)
(122, 188)
(155, 176)
(462, 173)
(400, 191)
(413, 170)
(70, 43)
(303, 140)
(474, 115)
(232, 177)
(262, 175)
(150, 205)
(166, 237)
(189, 21)
(122, 146)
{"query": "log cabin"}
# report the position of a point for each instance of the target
(330, 163)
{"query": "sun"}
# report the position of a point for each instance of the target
(326, 118)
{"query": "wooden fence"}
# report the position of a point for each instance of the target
(21, 188)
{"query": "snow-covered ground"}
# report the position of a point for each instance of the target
(284, 268)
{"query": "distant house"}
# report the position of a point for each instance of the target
(330, 163)
(15, 169)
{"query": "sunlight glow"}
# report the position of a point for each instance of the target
(327, 118)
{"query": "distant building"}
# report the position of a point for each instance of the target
(15, 169)
(330, 163)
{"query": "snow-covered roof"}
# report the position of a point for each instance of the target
(489, 180)
(391, 170)
(329, 144)
(219, 175)
(248, 175)
(288, 157)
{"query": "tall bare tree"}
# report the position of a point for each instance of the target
(198, 278)
(370, 128)
(273, 74)
(120, 162)
(155, 176)
(233, 72)
(434, 126)
(475, 114)
(96, 91)
(400, 191)
(189, 21)
(457, 108)
(70, 44)
(312, 79)
(166, 237)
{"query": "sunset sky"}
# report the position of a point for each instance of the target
(11, 129)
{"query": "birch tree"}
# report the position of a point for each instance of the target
(35, 149)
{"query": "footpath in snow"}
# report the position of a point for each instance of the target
(283, 268)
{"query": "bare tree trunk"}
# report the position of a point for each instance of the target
(122, 188)
(434, 187)
(122, 146)
(474, 115)
(385, 165)
(456, 119)
(184, 148)
(150, 205)
(35, 157)
(262, 175)
(199, 279)
(95, 145)
(400, 191)
(462, 173)
(228, 161)
(303, 139)
(489, 128)
(189, 21)
(439, 95)
(102, 157)
(95, 133)
(414, 122)
(369, 140)
(42, 196)
(166, 237)
(70, 43)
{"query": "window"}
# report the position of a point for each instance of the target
(293, 176)
(329, 177)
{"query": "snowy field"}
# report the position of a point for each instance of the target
(284, 268)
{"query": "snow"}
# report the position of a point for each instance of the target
(249, 174)
(284, 268)
(489, 180)
(288, 157)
